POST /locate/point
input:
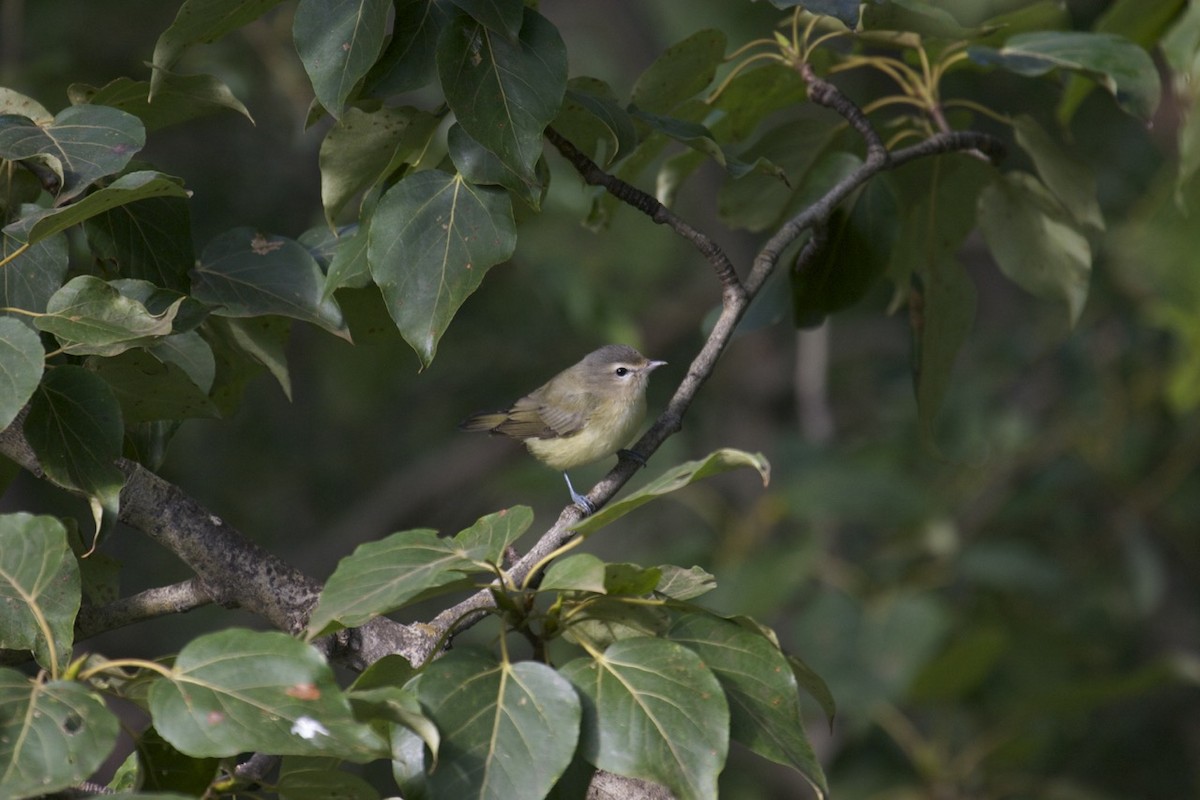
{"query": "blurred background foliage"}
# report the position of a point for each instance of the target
(1017, 615)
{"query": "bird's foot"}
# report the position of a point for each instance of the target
(584, 504)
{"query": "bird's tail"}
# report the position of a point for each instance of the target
(483, 421)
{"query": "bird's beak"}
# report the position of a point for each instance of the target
(653, 365)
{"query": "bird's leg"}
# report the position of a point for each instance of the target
(632, 455)
(580, 500)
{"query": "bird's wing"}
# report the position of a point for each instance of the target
(532, 418)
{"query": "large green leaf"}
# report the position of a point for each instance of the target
(683, 70)
(382, 576)
(32, 276)
(855, 252)
(409, 60)
(338, 42)
(504, 92)
(508, 731)
(91, 317)
(244, 273)
(83, 144)
(764, 699)
(1034, 242)
(941, 203)
(433, 238)
(319, 778)
(149, 388)
(239, 690)
(674, 479)
(593, 120)
(502, 16)
(39, 589)
(129, 188)
(482, 168)
(179, 98)
(74, 427)
(22, 360)
(1117, 64)
(200, 21)
(52, 735)
(147, 239)
(1064, 173)
(653, 710)
(362, 148)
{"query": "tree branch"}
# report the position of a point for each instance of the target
(157, 602)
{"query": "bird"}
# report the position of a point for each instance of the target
(587, 412)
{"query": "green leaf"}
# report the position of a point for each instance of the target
(52, 735)
(239, 690)
(363, 147)
(1125, 70)
(200, 21)
(1064, 173)
(674, 479)
(33, 276)
(592, 120)
(764, 700)
(855, 253)
(914, 16)
(39, 589)
(125, 189)
(508, 730)
(240, 348)
(91, 317)
(309, 778)
(338, 42)
(146, 239)
(179, 98)
(942, 203)
(382, 576)
(582, 572)
(83, 144)
(753, 95)
(74, 427)
(13, 102)
(190, 353)
(409, 62)
(653, 710)
(244, 273)
(481, 167)
(349, 268)
(22, 360)
(433, 238)
(504, 92)
(682, 71)
(1034, 243)
(502, 16)
(491, 535)
(151, 389)
(757, 201)
(678, 583)
(630, 579)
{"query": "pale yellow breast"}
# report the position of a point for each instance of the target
(604, 433)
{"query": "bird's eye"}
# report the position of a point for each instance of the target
(621, 372)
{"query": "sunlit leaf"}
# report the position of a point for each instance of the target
(433, 238)
(53, 735)
(238, 690)
(582, 572)
(504, 92)
(674, 479)
(84, 143)
(39, 590)
(244, 273)
(508, 730)
(338, 42)
(678, 583)
(491, 535)
(653, 710)
(89, 316)
(764, 700)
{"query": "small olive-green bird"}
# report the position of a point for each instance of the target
(584, 413)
